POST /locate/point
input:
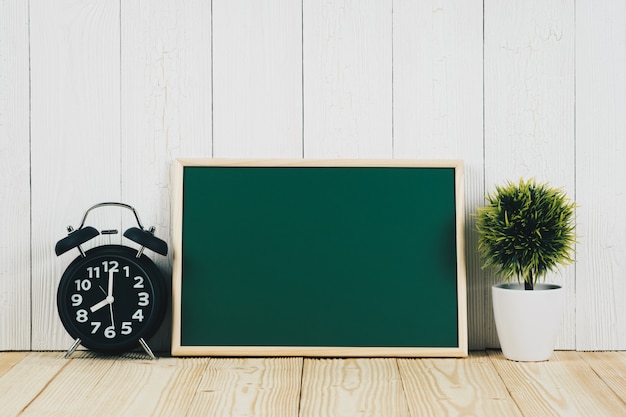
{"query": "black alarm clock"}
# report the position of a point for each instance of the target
(111, 298)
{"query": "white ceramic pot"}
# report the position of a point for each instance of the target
(527, 321)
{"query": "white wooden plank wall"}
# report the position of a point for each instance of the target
(75, 138)
(97, 98)
(347, 78)
(15, 242)
(257, 79)
(601, 174)
(529, 107)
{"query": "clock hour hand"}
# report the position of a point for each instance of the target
(99, 305)
(108, 300)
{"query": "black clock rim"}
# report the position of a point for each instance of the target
(154, 320)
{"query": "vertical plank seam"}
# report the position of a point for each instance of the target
(302, 143)
(30, 183)
(575, 327)
(393, 153)
(212, 90)
(210, 361)
(483, 100)
(121, 142)
(121, 156)
(495, 368)
(301, 375)
(485, 305)
(404, 389)
(606, 384)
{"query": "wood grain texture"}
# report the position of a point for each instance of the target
(9, 359)
(24, 382)
(352, 387)
(75, 111)
(121, 386)
(177, 397)
(529, 111)
(610, 368)
(166, 110)
(347, 79)
(563, 386)
(65, 394)
(15, 242)
(90, 385)
(485, 384)
(444, 387)
(249, 387)
(257, 78)
(434, 163)
(601, 190)
(437, 109)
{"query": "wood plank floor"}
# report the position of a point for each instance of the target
(484, 384)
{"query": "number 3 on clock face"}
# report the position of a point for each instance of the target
(110, 298)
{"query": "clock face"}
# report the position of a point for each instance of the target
(110, 298)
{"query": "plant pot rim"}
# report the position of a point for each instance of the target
(520, 287)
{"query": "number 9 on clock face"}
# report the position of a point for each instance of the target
(110, 298)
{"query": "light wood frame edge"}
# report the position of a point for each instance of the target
(320, 351)
(177, 266)
(178, 349)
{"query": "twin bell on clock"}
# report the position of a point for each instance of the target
(111, 298)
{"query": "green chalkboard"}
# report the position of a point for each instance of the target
(319, 258)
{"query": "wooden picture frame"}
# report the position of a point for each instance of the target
(271, 307)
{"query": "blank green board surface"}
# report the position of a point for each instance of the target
(319, 259)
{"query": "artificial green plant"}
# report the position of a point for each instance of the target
(525, 230)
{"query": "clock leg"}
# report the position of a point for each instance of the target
(73, 348)
(145, 347)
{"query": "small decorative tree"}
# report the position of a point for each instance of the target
(525, 230)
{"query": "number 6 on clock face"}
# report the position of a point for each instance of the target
(110, 298)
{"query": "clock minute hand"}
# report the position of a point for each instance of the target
(110, 293)
(110, 298)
